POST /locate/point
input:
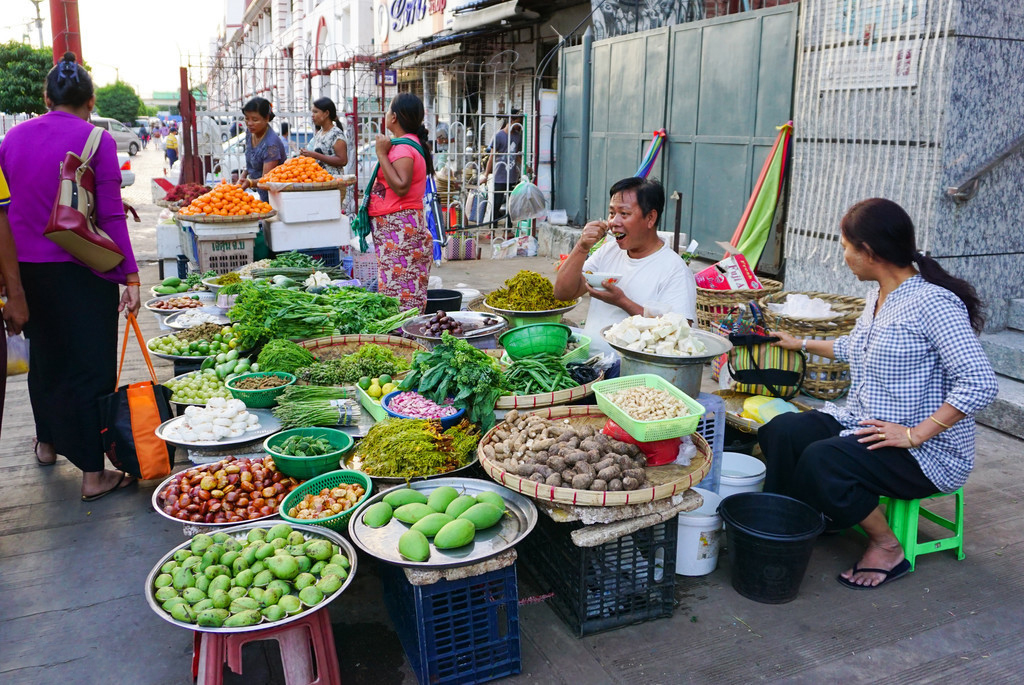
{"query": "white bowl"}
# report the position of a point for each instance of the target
(598, 277)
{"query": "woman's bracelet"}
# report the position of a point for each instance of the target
(944, 425)
(910, 439)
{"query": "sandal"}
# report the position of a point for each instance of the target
(118, 486)
(898, 571)
(35, 450)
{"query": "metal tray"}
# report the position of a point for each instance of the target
(526, 315)
(179, 377)
(472, 325)
(716, 345)
(270, 425)
(382, 543)
(239, 532)
(203, 297)
(222, 318)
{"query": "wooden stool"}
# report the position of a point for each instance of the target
(903, 518)
(213, 650)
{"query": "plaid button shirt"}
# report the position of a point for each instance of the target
(918, 353)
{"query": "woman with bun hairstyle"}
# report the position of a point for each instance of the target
(72, 310)
(264, 149)
(328, 146)
(401, 237)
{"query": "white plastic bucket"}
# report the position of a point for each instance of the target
(740, 473)
(699, 533)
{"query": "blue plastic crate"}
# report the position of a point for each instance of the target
(712, 429)
(330, 256)
(456, 631)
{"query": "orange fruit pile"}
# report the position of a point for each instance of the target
(298, 170)
(226, 200)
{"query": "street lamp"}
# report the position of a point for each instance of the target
(39, 21)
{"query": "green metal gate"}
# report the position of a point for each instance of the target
(718, 87)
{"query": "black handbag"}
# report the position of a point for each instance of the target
(760, 368)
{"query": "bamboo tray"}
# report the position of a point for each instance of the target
(337, 346)
(547, 399)
(288, 187)
(217, 219)
(664, 481)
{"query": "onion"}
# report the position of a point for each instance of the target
(417, 406)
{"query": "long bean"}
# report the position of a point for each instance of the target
(538, 373)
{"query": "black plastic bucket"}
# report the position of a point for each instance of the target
(443, 301)
(770, 539)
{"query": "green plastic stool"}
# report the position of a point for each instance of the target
(903, 515)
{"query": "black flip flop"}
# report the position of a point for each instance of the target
(896, 572)
(35, 450)
(100, 495)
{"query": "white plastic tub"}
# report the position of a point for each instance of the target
(699, 533)
(740, 473)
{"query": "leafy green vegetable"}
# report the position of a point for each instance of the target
(284, 355)
(306, 413)
(370, 360)
(407, 448)
(295, 260)
(454, 368)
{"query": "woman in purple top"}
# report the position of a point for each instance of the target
(72, 310)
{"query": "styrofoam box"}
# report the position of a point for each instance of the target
(167, 243)
(283, 236)
(313, 205)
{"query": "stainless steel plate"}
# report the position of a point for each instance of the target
(158, 504)
(473, 325)
(185, 404)
(525, 315)
(268, 422)
(206, 297)
(239, 532)
(219, 313)
(716, 345)
(519, 520)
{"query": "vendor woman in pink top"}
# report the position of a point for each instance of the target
(72, 310)
(400, 235)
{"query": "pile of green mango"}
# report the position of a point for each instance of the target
(170, 286)
(447, 517)
(219, 581)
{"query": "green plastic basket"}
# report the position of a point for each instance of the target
(374, 409)
(308, 467)
(259, 399)
(581, 353)
(328, 480)
(535, 338)
(648, 431)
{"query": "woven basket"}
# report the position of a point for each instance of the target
(339, 345)
(217, 219)
(826, 379)
(547, 399)
(663, 481)
(290, 187)
(715, 305)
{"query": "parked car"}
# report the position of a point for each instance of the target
(126, 139)
(127, 175)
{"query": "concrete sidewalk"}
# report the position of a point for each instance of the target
(72, 608)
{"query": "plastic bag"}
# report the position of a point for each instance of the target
(526, 246)
(17, 355)
(505, 250)
(526, 201)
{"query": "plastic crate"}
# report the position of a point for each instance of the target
(623, 582)
(456, 631)
(712, 429)
(330, 256)
(648, 431)
(373, 408)
(364, 267)
(222, 254)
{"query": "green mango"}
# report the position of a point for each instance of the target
(319, 550)
(169, 566)
(483, 515)
(283, 566)
(232, 545)
(256, 593)
(429, 525)
(340, 559)
(200, 543)
(278, 544)
(304, 580)
(236, 592)
(280, 531)
(182, 578)
(203, 583)
(183, 612)
(217, 550)
(193, 562)
(305, 563)
(258, 567)
(280, 586)
(202, 605)
(290, 604)
(169, 603)
(220, 598)
(271, 596)
(378, 515)
(221, 538)
(491, 498)
(238, 565)
(256, 535)
(440, 498)
(411, 513)
(249, 553)
(317, 568)
(329, 584)
(165, 290)
(244, 578)
(295, 550)
(458, 533)
(228, 559)
(172, 282)
(165, 593)
(182, 554)
(193, 595)
(334, 570)
(274, 613)
(243, 603)
(264, 550)
(459, 505)
(212, 572)
(249, 617)
(263, 578)
(212, 618)
(403, 496)
(311, 596)
(162, 580)
(222, 583)
(296, 538)
(413, 545)
(208, 561)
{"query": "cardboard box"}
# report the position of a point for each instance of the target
(284, 236)
(302, 206)
(732, 273)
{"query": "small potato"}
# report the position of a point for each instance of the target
(554, 479)
(615, 485)
(599, 484)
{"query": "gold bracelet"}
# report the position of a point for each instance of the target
(910, 439)
(944, 425)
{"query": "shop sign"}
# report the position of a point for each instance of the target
(389, 77)
(407, 12)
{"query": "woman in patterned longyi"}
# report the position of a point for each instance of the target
(918, 375)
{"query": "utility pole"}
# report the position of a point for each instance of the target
(39, 21)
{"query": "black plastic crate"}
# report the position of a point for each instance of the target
(330, 256)
(456, 631)
(626, 581)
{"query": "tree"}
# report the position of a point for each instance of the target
(23, 72)
(147, 111)
(118, 101)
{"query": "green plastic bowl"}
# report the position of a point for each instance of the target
(535, 338)
(329, 480)
(259, 399)
(308, 467)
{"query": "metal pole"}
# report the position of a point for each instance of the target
(39, 21)
(678, 197)
(584, 161)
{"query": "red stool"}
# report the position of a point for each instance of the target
(212, 650)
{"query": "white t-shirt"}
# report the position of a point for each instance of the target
(661, 278)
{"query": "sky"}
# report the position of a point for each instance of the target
(143, 43)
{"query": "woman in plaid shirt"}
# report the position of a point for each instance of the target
(918, 375)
